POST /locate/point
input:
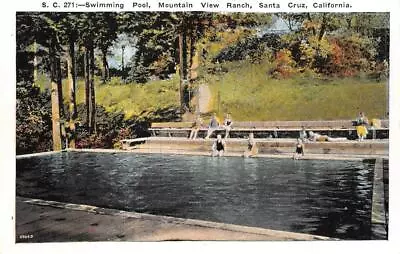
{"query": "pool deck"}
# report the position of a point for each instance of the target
(267, 147)
(49, 221)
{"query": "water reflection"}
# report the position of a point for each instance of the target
(329, 198)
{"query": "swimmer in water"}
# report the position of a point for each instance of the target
(218, 147)
(252, 149)
(299, 150)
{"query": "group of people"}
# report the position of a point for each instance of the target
(311, 137)
(212, 127)
(219, 146)
(361, 124)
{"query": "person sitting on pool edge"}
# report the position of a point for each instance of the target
(299, 150)
(362, 122)
(212, 126)
(198, 123)
(218, 147)
(303, 134)
(227, 125)
(252, 149)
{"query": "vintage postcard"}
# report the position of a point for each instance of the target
(218, 122)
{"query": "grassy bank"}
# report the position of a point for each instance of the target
(131, 99)
(248, 93)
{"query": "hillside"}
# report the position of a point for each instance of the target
(245, 89)
(249, 94)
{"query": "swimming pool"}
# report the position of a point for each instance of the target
(329, 198)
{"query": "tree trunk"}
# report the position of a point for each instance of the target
(87, 87)
(60, 100)
(192, 63)
(181, 70)
(92, 93)
(185, 55)
(59, 85)
(105, 72)
(189, 55)
(55, 103)
(71, 93)
(35, 64)
(313, 28)
(323, 28)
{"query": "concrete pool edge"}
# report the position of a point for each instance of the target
(192, 225)
(30, 155)
(316, 155)
(232, 154)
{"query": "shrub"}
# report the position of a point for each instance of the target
(123, 133)
(33, 119)
(285, 65)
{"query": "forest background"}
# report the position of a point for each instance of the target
(74, 91)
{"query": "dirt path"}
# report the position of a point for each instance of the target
(204, 98)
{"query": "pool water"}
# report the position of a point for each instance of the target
(329, 198)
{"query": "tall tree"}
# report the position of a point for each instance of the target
(92, 105)
(55, 51)
(107, 30)
(87, 84)
(71, 76)
(88, 35)
(69, 30)
(55, 95)
(35, 63)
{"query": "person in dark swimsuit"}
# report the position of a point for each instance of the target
(299, 150)
(250, 146)
(218, 147)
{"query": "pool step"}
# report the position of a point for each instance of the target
(265, 146)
